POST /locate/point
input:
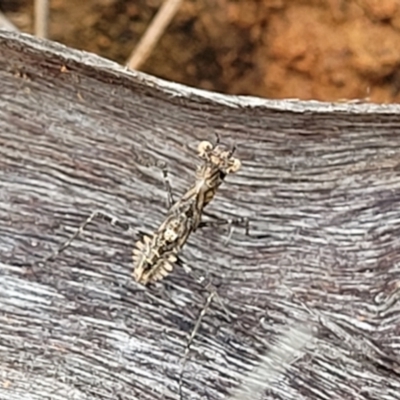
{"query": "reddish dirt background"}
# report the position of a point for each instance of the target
(307, 49)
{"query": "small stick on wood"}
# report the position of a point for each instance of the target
(41, 18)
(6, 24)
(150, 38)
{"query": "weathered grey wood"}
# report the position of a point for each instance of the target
(322, 181)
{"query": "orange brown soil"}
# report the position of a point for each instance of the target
(306, 49)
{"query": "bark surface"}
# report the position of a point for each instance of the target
(320, 184)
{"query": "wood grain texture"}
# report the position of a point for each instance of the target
(320, 183)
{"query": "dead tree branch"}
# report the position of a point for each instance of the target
(319, 182)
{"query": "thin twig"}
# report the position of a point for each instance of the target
(41, 18)
(6, 24)
(150, 38)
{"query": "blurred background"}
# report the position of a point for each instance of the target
(308, 49)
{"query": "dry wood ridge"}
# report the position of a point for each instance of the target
(321, 181)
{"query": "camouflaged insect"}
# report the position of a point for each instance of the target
(209, 176)
(154, 255)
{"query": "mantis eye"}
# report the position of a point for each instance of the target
(235, 165)
(204, 147)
